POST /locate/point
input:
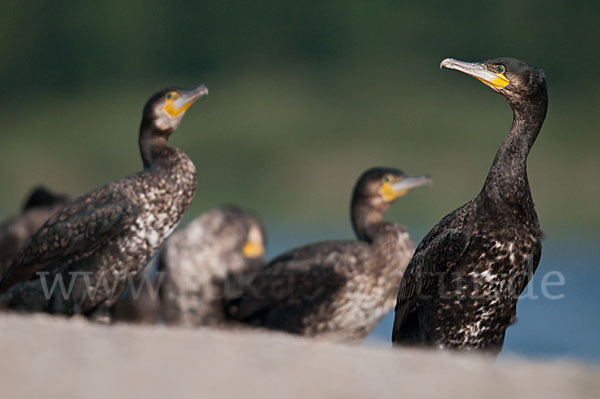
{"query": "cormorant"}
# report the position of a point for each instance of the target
(105, 238)
(38, 207)
(336, 290)
(199, 267)
(461, 287)
(207, 262)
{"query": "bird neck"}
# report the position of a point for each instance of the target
(366, 218)
(153, 144)
(507, 178)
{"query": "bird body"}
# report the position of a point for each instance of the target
(105, 238)
(462, 285)
(14, 232)
(336, 290)
(206, 262)
(470, 303)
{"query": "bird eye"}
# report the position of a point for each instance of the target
(386, 179)
(169, 95)
(500, 69)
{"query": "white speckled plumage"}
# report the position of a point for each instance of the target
(105, 238)
(204, 262)
(336, 290)
(462, 285)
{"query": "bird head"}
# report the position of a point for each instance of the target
(237, 231)
(512, 78)
(382, 186)
(166, 108)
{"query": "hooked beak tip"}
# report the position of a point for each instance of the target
(447, 63)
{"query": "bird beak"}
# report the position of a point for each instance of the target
(185, 100)
(253, 249)
(410, 182)
(478, 71)
(392, 191)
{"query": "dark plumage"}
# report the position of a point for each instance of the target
(207, 262)
(38, 207)
(336, 289)
(138, 306)
(106, 237)
(461, 287)
(41, 197)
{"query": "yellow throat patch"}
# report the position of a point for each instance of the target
(253, 249)
(388, 192)
(174, 111)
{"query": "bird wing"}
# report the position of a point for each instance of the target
(72, 233)
(437, 253)
(299, 279)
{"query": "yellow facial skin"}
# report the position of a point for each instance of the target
(489, 74)
(253, 249)
(498, 82)
(388, 193)
(170, 107)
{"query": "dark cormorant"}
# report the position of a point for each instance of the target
(105, 238)
(207, 262)
(461, 287)
(39, 206)
(337, 289)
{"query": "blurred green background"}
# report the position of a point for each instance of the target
(303, 97)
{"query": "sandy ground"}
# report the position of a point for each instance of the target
(61, 358)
